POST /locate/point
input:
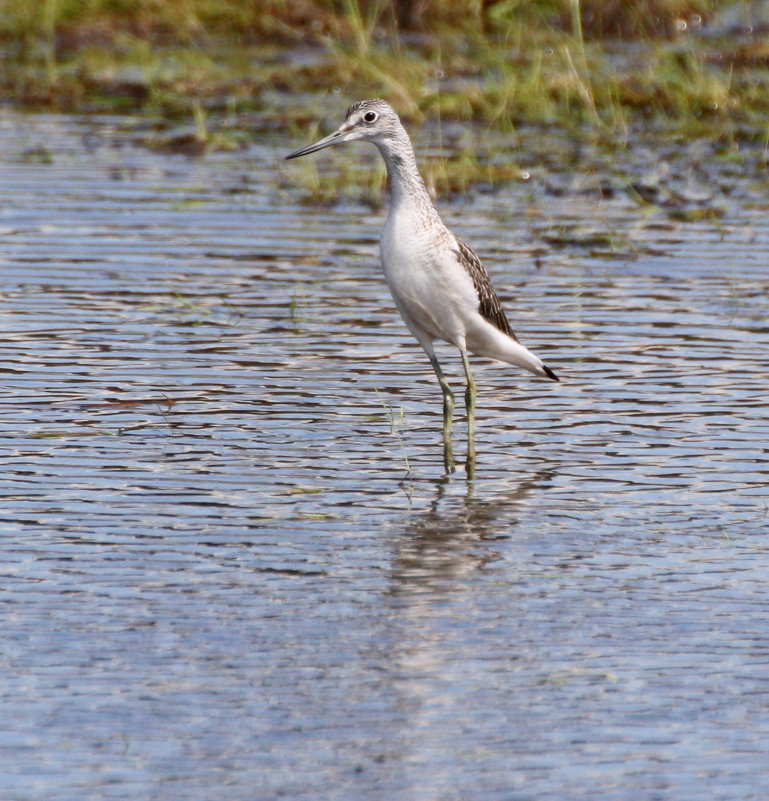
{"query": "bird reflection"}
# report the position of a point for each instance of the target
(452, 538)
(441, 605)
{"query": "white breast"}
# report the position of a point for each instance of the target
(432, 290)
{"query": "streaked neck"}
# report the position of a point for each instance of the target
(406, 184)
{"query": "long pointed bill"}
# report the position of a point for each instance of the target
(335, 138)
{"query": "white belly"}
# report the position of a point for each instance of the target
(431, 289)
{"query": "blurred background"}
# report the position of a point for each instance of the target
(697, 66)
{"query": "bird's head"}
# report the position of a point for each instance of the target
(367, 121)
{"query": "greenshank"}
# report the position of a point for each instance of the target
(439, 285)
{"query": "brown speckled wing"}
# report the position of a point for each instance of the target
(490, 307)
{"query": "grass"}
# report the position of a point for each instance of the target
(397, 421)
(599, 68)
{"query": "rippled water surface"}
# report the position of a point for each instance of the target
(232, 565)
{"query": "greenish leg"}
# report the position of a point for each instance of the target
(470, 393)
(448, 413)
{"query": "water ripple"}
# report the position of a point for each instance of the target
(232, 559)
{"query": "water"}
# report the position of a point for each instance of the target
(232, 566)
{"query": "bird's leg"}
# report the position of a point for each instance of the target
(470, 393)
(448, 412)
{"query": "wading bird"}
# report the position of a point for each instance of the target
(439, 285)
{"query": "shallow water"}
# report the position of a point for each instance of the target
(233, 567)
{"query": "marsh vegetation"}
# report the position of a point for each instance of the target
(687, 67)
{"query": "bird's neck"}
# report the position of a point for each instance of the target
(406, 185)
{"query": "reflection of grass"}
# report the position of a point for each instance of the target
(39, 154)
(71, 433)
(301, 309)
(362, 177)
(348, 183)
(182, 311)
(198, 140)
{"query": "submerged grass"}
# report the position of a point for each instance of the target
(597, 68)
(397, 421)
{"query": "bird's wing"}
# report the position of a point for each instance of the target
(489, 306)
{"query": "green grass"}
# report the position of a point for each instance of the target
(600, 68)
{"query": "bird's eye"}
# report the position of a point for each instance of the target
(370, 116)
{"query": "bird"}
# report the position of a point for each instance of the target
(439, 285)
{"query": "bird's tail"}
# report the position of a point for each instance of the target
(513, 352)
